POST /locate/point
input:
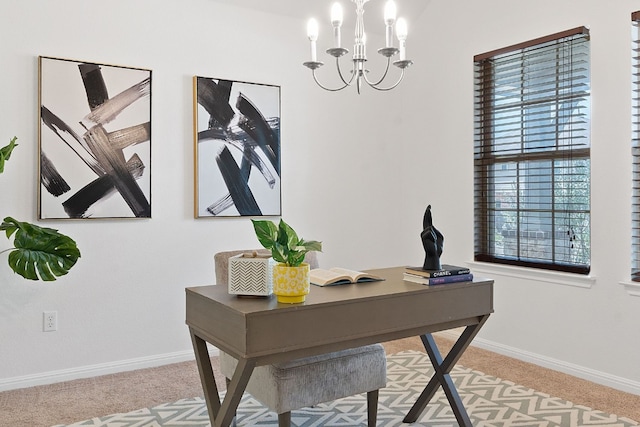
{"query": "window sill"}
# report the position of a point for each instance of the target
(632, 288)
(555, 277)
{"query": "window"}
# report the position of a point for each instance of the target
(635, 150)
(532, 154)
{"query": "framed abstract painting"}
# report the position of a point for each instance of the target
(237, 148)
(94, 140)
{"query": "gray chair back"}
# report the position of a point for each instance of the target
(221, 260)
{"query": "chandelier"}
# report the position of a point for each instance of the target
(359, 72)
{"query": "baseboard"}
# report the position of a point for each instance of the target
(52, 377)
(598, 377)
(97, 370)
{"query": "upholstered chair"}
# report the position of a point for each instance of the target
(285, 387)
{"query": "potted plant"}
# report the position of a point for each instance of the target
(290, 274)
(39, 253)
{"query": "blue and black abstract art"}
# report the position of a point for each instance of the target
(237, 148)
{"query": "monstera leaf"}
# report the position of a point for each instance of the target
(40, 253)
(5, 152)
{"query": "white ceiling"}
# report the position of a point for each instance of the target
(321, 9)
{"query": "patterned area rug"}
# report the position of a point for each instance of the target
(491, 402)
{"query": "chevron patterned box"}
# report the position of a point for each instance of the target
(251, 274)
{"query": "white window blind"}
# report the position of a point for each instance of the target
(532, 154)
(635, 149)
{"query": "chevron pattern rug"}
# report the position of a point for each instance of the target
(490, 402)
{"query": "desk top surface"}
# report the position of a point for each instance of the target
(334, 317)
(393, 285)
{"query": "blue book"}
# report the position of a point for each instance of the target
(438, 280)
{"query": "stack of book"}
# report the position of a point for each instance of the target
(447, 274)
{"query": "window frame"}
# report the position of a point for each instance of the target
(487, 156)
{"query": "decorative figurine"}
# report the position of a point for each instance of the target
(432, 241)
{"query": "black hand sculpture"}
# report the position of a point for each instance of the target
(432, 241)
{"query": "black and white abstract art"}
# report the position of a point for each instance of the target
(237, 148)
(95, 140)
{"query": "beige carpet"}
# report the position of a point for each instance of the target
(490, 402)
(72, 401)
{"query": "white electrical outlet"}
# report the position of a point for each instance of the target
(50, 321)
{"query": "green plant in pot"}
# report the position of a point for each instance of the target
(39, 253)
(290, 274)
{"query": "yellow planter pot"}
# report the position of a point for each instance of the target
(291, 284)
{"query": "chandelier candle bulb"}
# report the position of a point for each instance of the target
(401, 31)
(389, 20)
(312, 33)
(336, 21)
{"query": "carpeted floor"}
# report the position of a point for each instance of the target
(489, 401)
(73, 401)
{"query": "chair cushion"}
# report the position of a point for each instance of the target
(299, 383)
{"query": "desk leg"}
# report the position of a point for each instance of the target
(220, 415)
(441, 377)
(206, 374)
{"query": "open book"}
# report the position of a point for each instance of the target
(339, 276)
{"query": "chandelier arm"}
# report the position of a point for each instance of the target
(313, 72)
(353, 73)
(386, 88)
(384, 75)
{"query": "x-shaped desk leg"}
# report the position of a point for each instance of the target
(442, 378)
(220, 415)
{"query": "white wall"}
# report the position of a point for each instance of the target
(358, 172)
(123, 303)
(551, 319)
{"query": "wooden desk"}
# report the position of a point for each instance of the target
(262, 331)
